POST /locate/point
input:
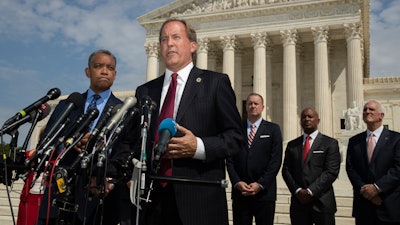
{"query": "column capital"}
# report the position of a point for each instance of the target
(203, 45)
(288, 37)
(152, 48)
(353, 31)
(228, 42)
(320, 33)
(260, 39)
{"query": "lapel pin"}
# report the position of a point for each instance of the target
(198, 80)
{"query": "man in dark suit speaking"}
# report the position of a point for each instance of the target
(203, 103)
(253, 170)
(311, 165)
(373, 167)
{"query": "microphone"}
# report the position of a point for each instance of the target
(111, 110)
(52, 94)
(82, 126)
(74, 101)
(166, 130)
(147, 106)
(44, 110)
(128, 104)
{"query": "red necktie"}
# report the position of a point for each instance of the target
(167, 111)
(306, 148)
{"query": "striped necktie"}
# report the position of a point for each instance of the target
(252, 134)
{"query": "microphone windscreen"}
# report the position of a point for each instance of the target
(46, 110)
(76, 99)
(168, 124)
(54, 93)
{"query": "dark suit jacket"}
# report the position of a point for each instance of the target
(260, 163)
(384, 171)
(318, 172)
(208, 109)
(72, 154)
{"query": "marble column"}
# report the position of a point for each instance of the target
(354, 65)
(152, 50)
(228, 64)
(268, 80)
(238, 79)
(202, 51)
(323, 94)
(299, 81)
(288, 38)
(259, 74)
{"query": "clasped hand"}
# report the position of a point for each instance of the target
(304, 197)
(248, 189)
(370, 192)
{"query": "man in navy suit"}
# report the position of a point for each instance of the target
(101, 72)
(373, 167)
(253, 170)
(311, 165)
(209, 131)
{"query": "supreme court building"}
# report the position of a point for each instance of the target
(296, 54)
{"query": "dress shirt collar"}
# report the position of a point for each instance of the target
(313, 135)
(257, 123)
(183, 74)
(377, 133)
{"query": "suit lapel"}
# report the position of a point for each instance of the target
(380, 144)
(315, 144)
(192, 86)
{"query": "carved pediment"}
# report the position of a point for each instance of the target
(193, 7)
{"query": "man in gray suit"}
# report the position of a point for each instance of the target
(373, 167)
(311, 165)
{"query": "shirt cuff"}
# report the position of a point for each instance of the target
(377, 188)
(309, 191)
(297, 190)
(200, 151)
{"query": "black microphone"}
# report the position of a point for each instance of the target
(128, 104)
(147, 106)
(83, 126)
(52, 94)
(166, 130)
(111, 110)
(74, 101)
(44, 111)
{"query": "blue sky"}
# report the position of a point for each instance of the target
(45, 44)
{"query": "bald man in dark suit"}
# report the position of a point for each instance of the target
(310, 174)
(373, 167)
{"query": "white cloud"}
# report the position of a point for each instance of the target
(385, 24)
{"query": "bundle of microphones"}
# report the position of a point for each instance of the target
(102, 136)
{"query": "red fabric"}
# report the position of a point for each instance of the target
(167, 111)
(306, 148)
(29, 204)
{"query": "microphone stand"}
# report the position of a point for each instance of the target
(34, 122)
(147, 108)
(218, 183)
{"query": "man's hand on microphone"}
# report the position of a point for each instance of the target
(182, 147)
(82, 143)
